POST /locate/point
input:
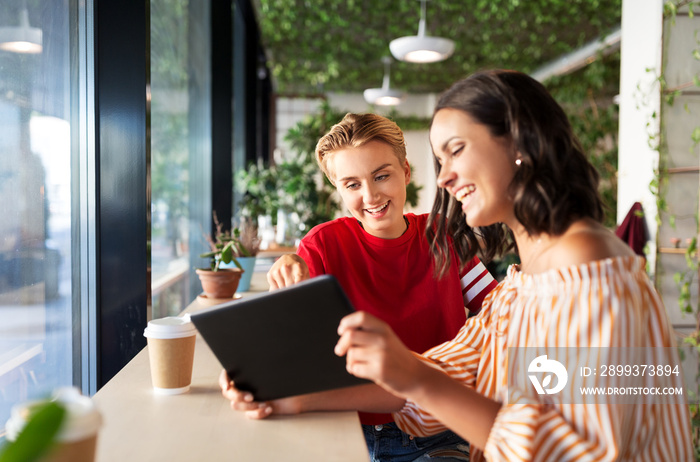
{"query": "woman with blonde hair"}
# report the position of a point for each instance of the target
(381, 257)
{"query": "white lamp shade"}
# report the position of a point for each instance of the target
(22, 38)
(421, 49)
(383, 96)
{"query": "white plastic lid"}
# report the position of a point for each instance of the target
(170, 327)
(82, 417)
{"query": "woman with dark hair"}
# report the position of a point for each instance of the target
(511, 170)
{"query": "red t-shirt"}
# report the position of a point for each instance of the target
(393, 280)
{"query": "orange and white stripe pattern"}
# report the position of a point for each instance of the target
(607, 303)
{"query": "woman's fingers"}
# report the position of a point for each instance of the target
(372, 351)
(228, 389)
(274, 280)
(357, 338)
(252, 409)
(363, 342)
(235, 395)
(361, 320)
(287, 270)
(224, 382)
(360, 329)
(299, 273)
(242, 400)
(263, 411)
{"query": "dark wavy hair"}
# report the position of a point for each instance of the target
(554, 185)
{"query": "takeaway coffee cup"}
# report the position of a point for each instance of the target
(171, 354)
(76, 439)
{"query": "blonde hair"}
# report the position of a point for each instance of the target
(356, 130)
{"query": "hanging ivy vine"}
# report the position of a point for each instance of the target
(322, 46)
(687, 277)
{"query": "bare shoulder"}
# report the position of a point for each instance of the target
(585, 242)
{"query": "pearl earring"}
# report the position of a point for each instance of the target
(518, 162)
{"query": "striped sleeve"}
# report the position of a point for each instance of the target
(476, 283)
(527, 430)
(530, 430)
(458, 358)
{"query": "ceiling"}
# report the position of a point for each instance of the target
(319, 46)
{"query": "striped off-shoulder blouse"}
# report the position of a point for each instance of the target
(604, 304)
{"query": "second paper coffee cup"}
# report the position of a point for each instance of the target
(171, 352)
(77, 436)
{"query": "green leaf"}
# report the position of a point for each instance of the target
(242, 251)
(670, 9)
(37, 435)
(671, 97)
(677, 278)
(696, 135)
(238, 265)
(227, 253)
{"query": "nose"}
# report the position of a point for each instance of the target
(446, 177)
(370, 193)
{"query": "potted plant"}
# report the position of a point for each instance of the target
(220, 282)
(245, 253)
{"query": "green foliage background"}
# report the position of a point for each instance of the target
(322, 46)
(587, 97)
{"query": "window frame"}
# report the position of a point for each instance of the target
(111, 155)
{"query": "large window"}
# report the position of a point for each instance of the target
(82, 166)
(36, 202)
(181, 149)
(169, 156)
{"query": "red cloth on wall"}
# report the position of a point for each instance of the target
(633, 229)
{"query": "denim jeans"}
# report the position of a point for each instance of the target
(388, 443)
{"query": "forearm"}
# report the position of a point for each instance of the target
(462, 409)
(366, 398)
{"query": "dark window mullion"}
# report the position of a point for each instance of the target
(121, 205)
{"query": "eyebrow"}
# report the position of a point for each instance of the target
(373, 172)
(444, 145)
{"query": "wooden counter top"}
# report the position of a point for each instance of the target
(200, 425)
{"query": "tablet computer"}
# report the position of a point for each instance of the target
(280, 343)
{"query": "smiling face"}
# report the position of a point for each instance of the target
(475, 167)
(372, 184)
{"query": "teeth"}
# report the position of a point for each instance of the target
(464, 192)
(378, 209)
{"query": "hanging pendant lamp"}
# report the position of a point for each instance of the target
(384, 96)
(23, 38)
(421, 48)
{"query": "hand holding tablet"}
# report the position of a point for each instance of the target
(281, 343)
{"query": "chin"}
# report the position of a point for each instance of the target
(474, 222)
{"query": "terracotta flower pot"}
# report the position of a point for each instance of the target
(248, 264)
(220, 284)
